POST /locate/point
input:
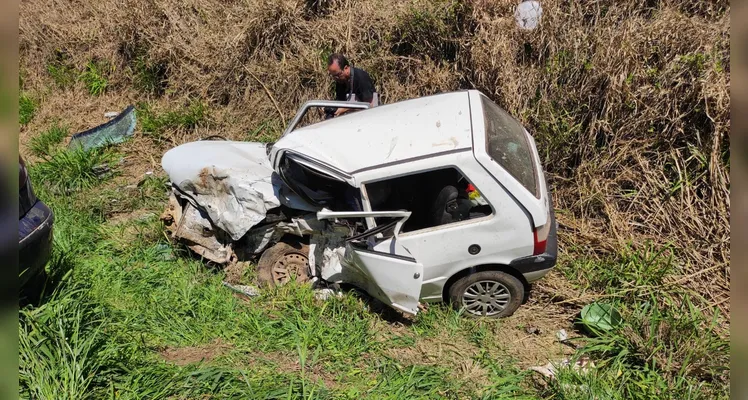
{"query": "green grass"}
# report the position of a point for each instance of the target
(155, 124)
(666, 347)
(76, 169)
(44, 143)
(26, 109)
(148, 76)
(62, 74)
(94, 77)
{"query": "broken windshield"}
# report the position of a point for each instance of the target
(319, 188)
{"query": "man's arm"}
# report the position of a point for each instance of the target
(340, 95)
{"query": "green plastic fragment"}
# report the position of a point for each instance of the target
(601, 317)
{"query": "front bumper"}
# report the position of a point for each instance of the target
(34, 241)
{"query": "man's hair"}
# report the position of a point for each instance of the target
(342, 61)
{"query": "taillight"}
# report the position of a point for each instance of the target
(540, 236)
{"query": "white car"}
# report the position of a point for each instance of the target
(439, 198)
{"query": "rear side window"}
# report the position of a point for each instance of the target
(507, 145)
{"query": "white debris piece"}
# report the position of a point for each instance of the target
(326, 293)
(250, 291)
(528, 14)
(584, 364)
(561, 335)
(111, 114)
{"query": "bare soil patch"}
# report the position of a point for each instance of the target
(195, 354)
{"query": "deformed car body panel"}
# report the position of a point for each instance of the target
(387, 274)
(231, 181)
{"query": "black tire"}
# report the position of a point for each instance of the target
(291, 254)
(507, 284)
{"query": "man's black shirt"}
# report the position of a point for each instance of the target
(363, 87)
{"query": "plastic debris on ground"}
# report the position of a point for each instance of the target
(164, 251)
(249, 291)
(600, 317)
(583, 365)
(114, 131)
(252, 291)
(326, 293)
(528, 14)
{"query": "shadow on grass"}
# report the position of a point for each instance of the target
(40, 288)
(385, 312)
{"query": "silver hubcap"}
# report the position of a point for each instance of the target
(486, 298)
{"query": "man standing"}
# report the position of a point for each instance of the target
(351, 83)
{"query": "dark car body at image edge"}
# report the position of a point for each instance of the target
(34, 231)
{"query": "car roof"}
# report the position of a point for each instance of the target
(391, 133)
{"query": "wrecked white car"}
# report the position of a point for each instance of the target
(440, 198)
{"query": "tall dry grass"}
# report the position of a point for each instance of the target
(629, 101)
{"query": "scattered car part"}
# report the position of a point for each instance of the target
(528, 14)
(114, 131)
(533, 330)
(249, 291)
(326, 293)
(600, 317)
(582, 365)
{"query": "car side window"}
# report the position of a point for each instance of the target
(435, 198)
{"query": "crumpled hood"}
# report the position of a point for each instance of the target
(232, 181)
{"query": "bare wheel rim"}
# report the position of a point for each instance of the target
(289, 266)
(486, 298)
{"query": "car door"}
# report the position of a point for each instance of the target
(390, 275)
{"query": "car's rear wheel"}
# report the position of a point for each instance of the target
(282, 263)
(492, 294)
